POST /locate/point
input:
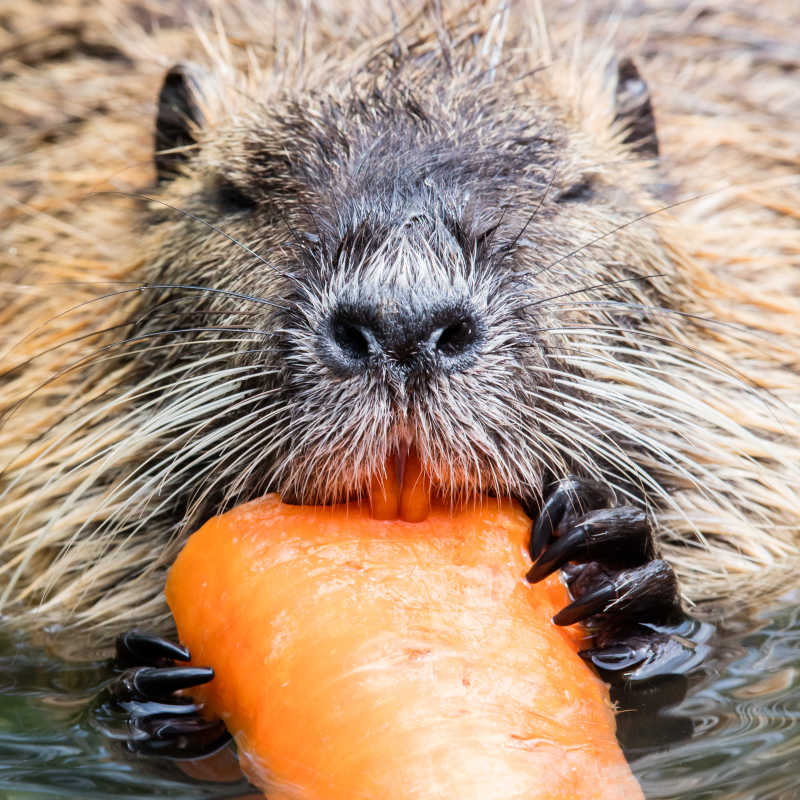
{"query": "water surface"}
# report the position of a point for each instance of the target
(735, 735)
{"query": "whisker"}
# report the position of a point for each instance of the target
(605, 285)
(626, 305)
(212, 290)
(87, 360)
(515, 241)
(610, 452)
(711, 364)
(135, 393)
(622, 226)
(137, 287)
(157, 469)
(150, 315)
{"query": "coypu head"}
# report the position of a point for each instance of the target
(419, 257)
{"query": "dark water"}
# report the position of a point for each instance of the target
(744, 705)
(739, 719)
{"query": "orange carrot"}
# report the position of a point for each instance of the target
(366, 659)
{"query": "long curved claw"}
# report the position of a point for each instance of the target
(155, 683)
(648, 592)
(568, 499)
(137, 649)
(615, 536)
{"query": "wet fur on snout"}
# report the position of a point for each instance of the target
(454, 161)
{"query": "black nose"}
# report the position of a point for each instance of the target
(443, 338)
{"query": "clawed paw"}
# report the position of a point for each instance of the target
(140, 707)
(627, 596)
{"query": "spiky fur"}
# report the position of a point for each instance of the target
(160, 370)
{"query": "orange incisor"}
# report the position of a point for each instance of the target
(403, 491)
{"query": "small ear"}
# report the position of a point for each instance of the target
(177, 118)
(634, 109)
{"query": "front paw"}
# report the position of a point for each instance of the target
(628, 596)
(142, 709)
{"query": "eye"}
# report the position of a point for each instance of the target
(579, 192)
(231, 199)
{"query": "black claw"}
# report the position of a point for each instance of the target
(617, 536)
(646, 592)
(136, 649)
(561, 551)
(162, 681)
(569, 499)
(547, 522)
(587, 605)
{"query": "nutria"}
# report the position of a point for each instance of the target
(450, 229)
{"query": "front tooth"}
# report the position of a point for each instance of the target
(384, 492)
(401, 458)
(415, 494)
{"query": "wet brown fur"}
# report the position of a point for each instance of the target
(701, 390)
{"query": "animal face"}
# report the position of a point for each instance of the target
(414, 262)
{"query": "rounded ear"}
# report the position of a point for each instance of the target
(177, 119)
(634, 110)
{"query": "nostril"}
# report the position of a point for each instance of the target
(352, 339)
(363, 337)
(455, 339)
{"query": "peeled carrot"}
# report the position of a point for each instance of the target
(379, 659)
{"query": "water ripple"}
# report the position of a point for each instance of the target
(745, 711)
(734, 736)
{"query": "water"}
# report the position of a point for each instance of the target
(49, 750)
(744, 705)
(734, 736)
